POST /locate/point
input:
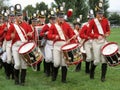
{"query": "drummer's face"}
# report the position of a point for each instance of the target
(19, 18)
(60, 19)
(100, 15)
(11, 18)
(77, 26)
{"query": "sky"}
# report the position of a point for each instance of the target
(114, 4)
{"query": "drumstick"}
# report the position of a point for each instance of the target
(82, 42)
(72, 38)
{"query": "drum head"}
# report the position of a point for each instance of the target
(68, 47)
(26, 47)
(110, 49)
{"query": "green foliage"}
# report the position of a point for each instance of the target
(75, 80)
(30, 10)
(78, 6)
(39, 6)
(115, 19)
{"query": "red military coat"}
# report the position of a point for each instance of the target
(2, 32)
(12, 29)
(93, 31)
(45, 30)
(67, 30)
(83, 32)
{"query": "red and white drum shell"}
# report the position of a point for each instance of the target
(111, 53)
(69, 47)
(28, 50)
(26, 47)
(74, 48)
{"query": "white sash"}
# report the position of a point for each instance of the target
(60, 32)
(76, 33)
(8, 25)
(99, 27)
(22, 38)
(49, 24)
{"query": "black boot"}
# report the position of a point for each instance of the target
(47, 69)
(104, 69)
(5, 68)
(55, 73)
(78, 67)
(51, 68)
(64, 74)
(87, 67)
(44, 66)
(12, 70)
(16, 76)
(8, 68)
(92, 71)
(23, 75)
(1, 63)
(38, 66)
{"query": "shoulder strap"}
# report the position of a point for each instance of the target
(60, 32)
(20, 34)
(99, 27)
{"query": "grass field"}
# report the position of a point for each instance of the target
(75, 80)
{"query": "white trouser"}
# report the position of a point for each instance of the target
(4, 57)
(4, 46)
(58, 54)
(98, 57)
(9, 52)
(49, 51)
(89, 50)
(18, 61)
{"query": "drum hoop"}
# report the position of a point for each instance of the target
(25, 44)
(107, 45)
(33, 64)
(112, 65)
(77, 44)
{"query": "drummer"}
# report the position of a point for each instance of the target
(88, 43)
(41, 23)
(49, 43)
(99, 29)
(77, 26)
(24, 31)
(59, 33)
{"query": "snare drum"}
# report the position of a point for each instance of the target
(30, 53)
(73, 48)
(111, 53)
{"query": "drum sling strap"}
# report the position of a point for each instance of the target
(60, 32)
(99, 27)
(76, 33)
(20, 34)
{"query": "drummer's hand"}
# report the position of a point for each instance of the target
(57, 37)
(29, 34)
(5, 29)
(45, 33)
(100, 37)
(106, 35)
(12, 35)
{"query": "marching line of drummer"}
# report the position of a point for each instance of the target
(49, 38)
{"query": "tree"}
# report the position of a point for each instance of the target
(30, 10)
(39, 7)
(115, 19)
(78, 6)
(3, 3)
(81, 8)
